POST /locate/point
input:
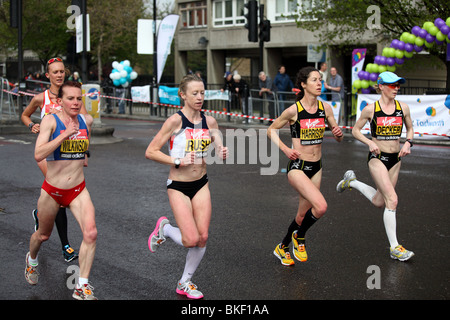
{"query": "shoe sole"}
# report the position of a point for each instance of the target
(183, 293)
(155, 231)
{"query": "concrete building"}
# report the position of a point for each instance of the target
(217, 27)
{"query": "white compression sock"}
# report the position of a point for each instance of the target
(366, 190)
(173, 233)
(193, 258)
(390, 225)
(32, 262)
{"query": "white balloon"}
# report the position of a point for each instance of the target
(114, 64)
(133, 75)
(119, 67)
(126, 63)
(123, 73)
(125, 84)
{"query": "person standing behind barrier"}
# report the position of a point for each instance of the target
(63, 140)
(241, 91)
(46, 102)
(386, 117)
(335, 85)
(190, 133)
(266, 88)
(283, 83)
(323, 71)
(307, 119)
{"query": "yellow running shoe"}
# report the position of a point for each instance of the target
(282, 253)
(299, 248)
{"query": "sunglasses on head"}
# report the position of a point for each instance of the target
(393, 85)
(49, 62)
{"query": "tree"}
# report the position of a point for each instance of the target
(348, 21)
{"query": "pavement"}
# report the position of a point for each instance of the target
(347, 248)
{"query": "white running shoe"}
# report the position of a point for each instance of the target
(157, 238)
(345, 183)
(189, 289)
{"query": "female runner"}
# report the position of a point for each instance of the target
(386, 117)
(304, 171)
(189, 133)
(46, 102)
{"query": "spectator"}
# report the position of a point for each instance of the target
(75, 77)
(241, 92)
(283, 83)
(335, 85)
(323, 71)
(266, 88)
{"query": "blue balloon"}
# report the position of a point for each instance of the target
(116, 82)
(123, 80)
(114, 71)
(128, 69)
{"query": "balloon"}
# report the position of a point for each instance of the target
(128, 69)
(122, 80)
(390, 61)
(365, 90)
(440, 36)
(428, 44)
(411, 38)
(364, 84)
(123, 73)
(427, 25)
(394, 43)
(433, 30)
(382, 60)
(399, 54)
(357, 84)
(133, 75)
(391, 68)
(401, 45)
(418, 48)
(447, 22)
(399, 61)
(361, 74)
(373, 77)
(382, 69)
(445, 29)
(126, 63)
(114, 64)
(439, 22)
(423, 33)
(419, 41)
(409, 55)
(415, 30)
(119, 67)
(429, 38)
(116, 82)
(409, 47)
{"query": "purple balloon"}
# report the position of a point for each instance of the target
(377, 59)
(399, 61)
(401, 45)
(390, 61)
(366, 91)
(445, 29)
(429, 38)
(439, 42)
(373, 77)
(394, 43)
(423, 33)
(417, 48)
(409, 47)
(439, 22)
(415, 30)
(366, 75)
(382, 60)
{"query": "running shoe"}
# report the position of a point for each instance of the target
(84, 293)
(157, 237)
(400, 253)
(282, 253)
(189, 289)
(69, 254)
(345, 183)
(36, 220)
(31, 273)
(299, 248)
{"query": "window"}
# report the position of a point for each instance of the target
(228, 12)
(193, 14)
(287, 10)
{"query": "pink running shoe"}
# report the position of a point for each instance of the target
(157, 237)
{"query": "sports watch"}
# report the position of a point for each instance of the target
(410, 142)
(30, 125)
(177, 163)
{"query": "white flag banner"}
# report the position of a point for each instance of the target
(166, 32)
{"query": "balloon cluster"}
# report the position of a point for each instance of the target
(402, 49)
(122, 73)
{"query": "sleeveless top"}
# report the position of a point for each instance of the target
(387, 127)
(48, 104)
(190, 138)
(75, 146)
(309, 127)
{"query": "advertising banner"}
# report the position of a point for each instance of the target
(166, 32)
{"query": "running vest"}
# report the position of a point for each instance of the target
(74, 147)
(48, 104)
(190, 138)
(309, 127)
(387, 127)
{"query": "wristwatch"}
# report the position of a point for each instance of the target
(30, 125)
(177, 163)
(410, 142)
